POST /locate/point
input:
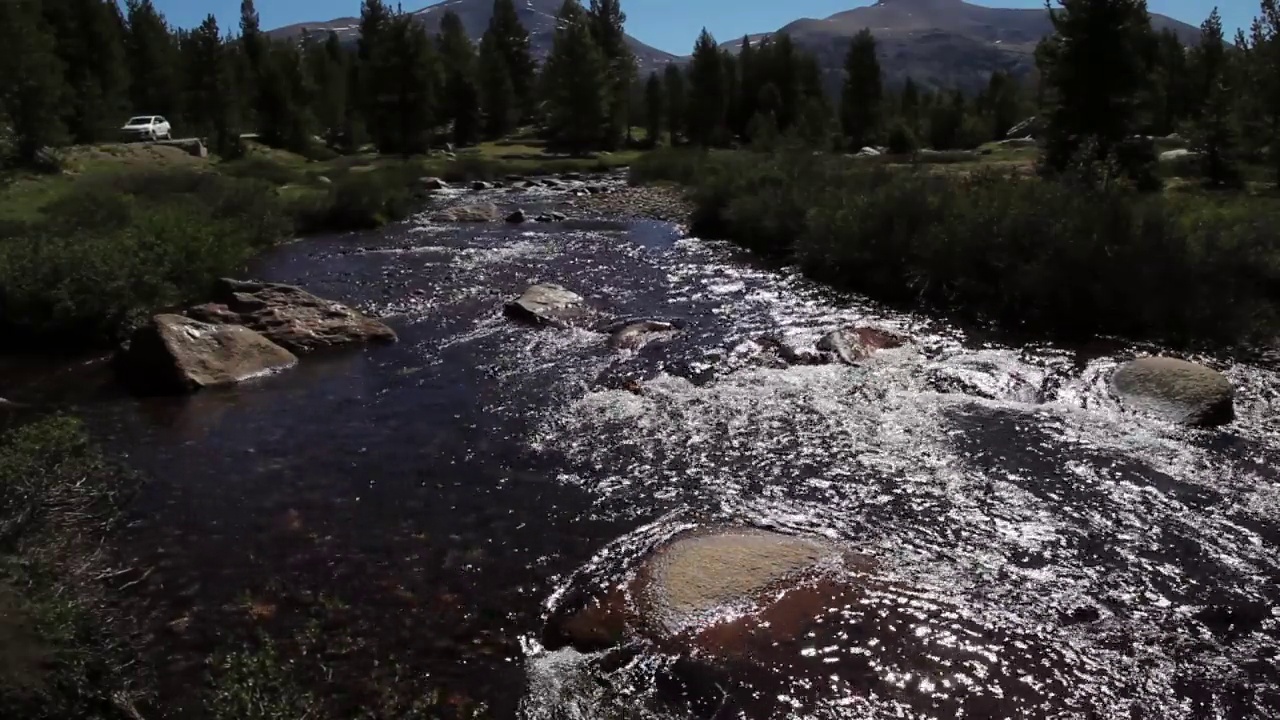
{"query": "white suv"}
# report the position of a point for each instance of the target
(146, 127)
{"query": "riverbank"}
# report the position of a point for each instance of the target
(1188, 268)
(124, 231)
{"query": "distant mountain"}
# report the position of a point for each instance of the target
(538, 17)
(940, 43)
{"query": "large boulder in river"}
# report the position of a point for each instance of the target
(853, 344)
(760, 622)
(551, 305)
(676, 592)
(290, 316)
(478, 213)
(176, 354)
(1176, 390)
(432, 183)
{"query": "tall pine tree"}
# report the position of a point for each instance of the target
(90, 42)
(405, 75)
(153, 60)
(863, 93)
(655, 106)
(1214, 135)
(32, 84)
(708, 105)
(498, 101)
(673, 84)
(606, 23)
(1095, 75)
(509, 38)
(577, 83)
(461, 101)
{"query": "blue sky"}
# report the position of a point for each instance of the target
(670, 25)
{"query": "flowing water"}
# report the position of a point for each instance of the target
(1055, 555)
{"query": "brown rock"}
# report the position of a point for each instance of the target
(175, 354)
(290, 316)
(853, 344)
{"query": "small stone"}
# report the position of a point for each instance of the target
(516, 217)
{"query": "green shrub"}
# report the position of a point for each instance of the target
(113, 249)
(259, 167)
(359, 201)
(1034, 255)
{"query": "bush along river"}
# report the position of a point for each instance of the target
(611, 471)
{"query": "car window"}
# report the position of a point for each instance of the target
(140, 120)
(160, 120)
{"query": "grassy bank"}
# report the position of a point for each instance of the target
(61, 656)
(990, 245)
(127, 230)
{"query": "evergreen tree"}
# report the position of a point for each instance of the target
(606, 22)
(577, 83)
(1002, 103)
(673, 85)
(208, 88)
(749, 79)
(329, 73)
(708, 105)
(153, 59)
(405, 78)
(511, 40)
(911, 105)
(32, 84)
(863, 94)
(284, 94)
(461, 102)
(1174, 99)
(498, 100)
(1095, 75)
(655, 108)
(1214, 135)
(1262, 74)
(90, 43)
(253, 49)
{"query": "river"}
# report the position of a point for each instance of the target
(432, 496)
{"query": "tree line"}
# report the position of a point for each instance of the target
(74, 68)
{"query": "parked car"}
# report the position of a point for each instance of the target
(146, 127)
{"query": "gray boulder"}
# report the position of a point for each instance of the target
(478, 213)
(1176, 154)
(1176, 390)
(432, 183)
(516, 217)
(174, 354)
(290, 316)
(551, 305)
(851, 345)
(481, 185)
(636, 335)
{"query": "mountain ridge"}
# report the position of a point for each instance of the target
(537, 16)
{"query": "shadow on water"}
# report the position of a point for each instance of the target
(415, 505)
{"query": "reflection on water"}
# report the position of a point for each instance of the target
(1045, 553)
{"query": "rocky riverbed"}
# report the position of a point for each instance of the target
(611, 471)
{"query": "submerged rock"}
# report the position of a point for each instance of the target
(853, 344)
(290, 316)
(432, 183)
(516, 217)
(776, 352)
(481, 185)
(551, 305)
(478, 213)
(176, 354)
(755, 621)
(636, 335)
(1177, 390)
(685, 585)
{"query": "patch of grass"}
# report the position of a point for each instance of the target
(60, 658)
(1029, 254)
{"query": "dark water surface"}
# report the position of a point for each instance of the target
(1064, 558)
